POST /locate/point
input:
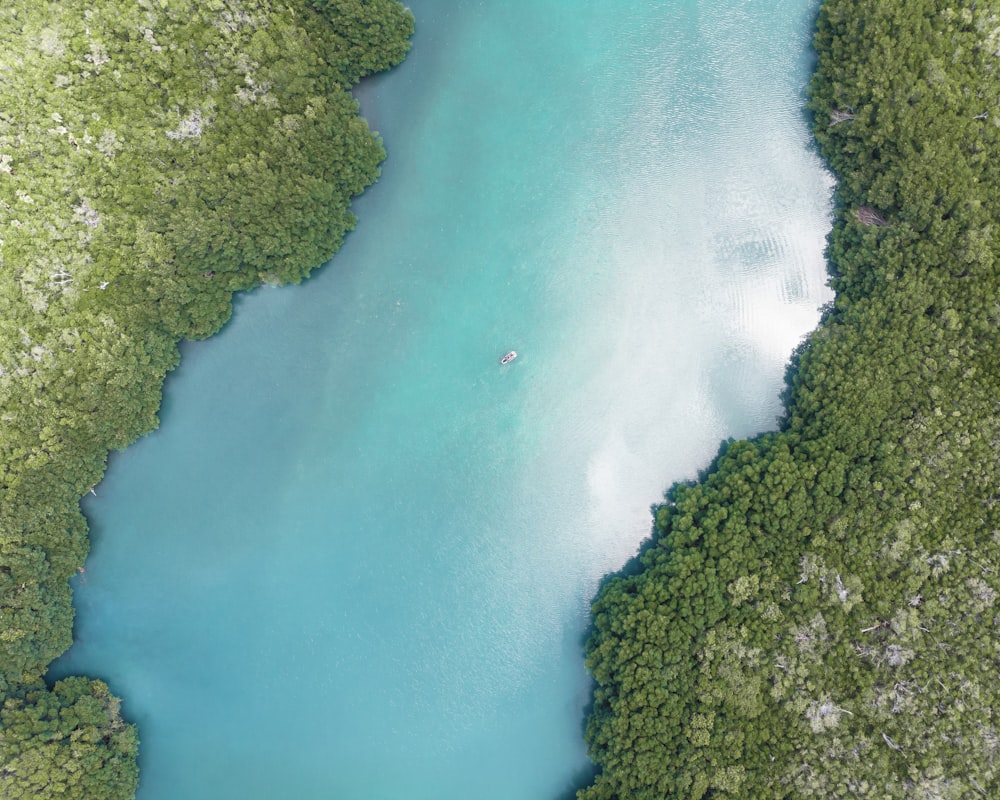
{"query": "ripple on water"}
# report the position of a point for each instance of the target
(356, 559)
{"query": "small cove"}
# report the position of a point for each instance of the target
(356, 559)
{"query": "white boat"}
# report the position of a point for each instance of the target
(509, 357)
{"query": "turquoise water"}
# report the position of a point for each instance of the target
(356, 560)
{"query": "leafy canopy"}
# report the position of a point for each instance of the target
(818, 616)
(155, 157)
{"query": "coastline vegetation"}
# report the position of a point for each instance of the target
(155, 157)
(818, 617)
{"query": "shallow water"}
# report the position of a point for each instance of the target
(356, 559)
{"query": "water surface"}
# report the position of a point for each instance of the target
(356, 560)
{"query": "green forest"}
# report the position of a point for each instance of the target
(156, 156)
(818, 616)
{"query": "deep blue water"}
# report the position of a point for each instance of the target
(356, 560)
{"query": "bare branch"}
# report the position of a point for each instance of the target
(869, 216)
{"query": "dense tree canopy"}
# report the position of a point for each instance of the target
(155, 157)
(70, 742)
(818, 617)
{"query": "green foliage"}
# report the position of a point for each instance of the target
(818, 617)
(67, 742)
(369, 39)
(155, 157)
